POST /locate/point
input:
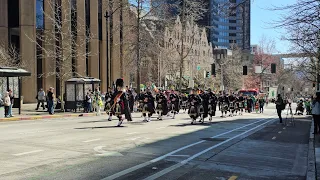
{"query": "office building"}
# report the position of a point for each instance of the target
(230, 23)
(21, 21)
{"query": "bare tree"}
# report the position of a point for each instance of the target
(61, 43)
(10, 57)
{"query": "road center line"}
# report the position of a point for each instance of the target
(92, 140)
(160, 127)
(274, 138)
(171, 168)
(280, 132)
(139, 166)
(179, 155)
(29, 152)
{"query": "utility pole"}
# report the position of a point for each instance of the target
(182, 43)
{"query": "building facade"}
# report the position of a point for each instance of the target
(230, 23)
(75, 28)
(197, 53)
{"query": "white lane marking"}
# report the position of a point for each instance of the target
(139, 166)
(280, 132)
(284, 128)
(130, 133)
(160, 127)
(274, 138)
(171, 168)
(92, 140)
(102, 152)
(29, 152)
(179, 155)
(133, 139)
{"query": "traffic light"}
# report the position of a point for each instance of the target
(245, 70)
(208, 74)
(273, 68)
(213, 69)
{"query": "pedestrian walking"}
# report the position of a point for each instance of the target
(51, 97)
(280, 105)
(41, 97)
(316, 113)
(7, 104)
(11, 103)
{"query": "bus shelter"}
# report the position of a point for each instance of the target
(10, 78)
(76, 89)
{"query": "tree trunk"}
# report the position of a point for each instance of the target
(138, 47)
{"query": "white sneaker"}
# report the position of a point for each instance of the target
(110, 118)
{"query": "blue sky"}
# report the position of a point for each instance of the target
(261, 18)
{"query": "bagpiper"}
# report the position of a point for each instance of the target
(174, 99)
(194, 101)
(120, 106)
(212, 107)
(148, 106)
(162, 108)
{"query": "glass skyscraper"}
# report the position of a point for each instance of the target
(230, 23)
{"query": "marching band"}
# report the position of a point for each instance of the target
(200, 104)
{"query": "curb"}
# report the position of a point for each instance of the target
(311, 169)
(48, 117)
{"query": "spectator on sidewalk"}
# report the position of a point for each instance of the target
(261, 104)
(41, 97)
(6, 103)
(280, 105)
(11, 103)
(316, 113)
(51, 97)
(88, 103)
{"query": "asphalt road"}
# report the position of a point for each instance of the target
(252, 146)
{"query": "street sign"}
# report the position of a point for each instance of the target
(258, 69)
(191, 83)
(198, 68)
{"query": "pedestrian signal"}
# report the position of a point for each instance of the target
(208, 74)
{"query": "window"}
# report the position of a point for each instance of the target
(39, 14)
(232, 21)
(232, 28)
(232, 34)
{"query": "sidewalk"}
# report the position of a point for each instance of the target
(28, 112)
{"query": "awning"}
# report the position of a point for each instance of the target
(13, 72)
